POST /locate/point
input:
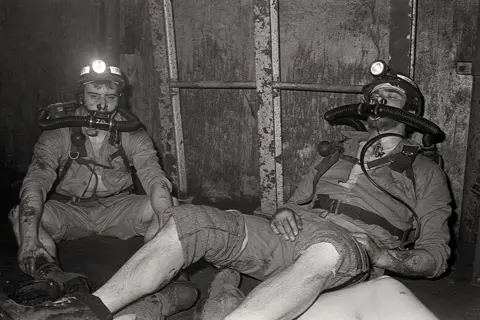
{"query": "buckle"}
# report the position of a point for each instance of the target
(333, 206)
(410, 151)
(74, 155)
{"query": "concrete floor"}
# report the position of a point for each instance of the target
(450, 298)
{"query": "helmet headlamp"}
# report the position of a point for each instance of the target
(378, 68)
(99, 66)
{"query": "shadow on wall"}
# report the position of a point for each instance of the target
(9, 188)
(452, 225)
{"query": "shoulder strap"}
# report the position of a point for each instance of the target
(77, 150)
(326, 163)
(121, 153)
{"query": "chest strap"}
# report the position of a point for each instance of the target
(78, 152)
(399, 162)
(337, 207)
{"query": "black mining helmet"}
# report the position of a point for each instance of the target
(382, 74)
(100, 71)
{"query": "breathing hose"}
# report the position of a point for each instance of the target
(414, 216)
(432, 134)
(132, 123)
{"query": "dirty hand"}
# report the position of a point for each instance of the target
(160, 199)
(373, 250)
(287, 223)
(32, 255)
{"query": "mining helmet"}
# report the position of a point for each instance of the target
(100, 71)
(384, 76)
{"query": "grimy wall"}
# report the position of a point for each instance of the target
(43, 44)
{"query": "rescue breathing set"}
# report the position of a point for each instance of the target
(66, 115)
(353, 115)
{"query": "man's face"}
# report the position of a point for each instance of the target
(101, 97)
(392, 97)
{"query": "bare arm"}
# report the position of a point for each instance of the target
(161, 199)
(30, 213)
(430, 255)
(38, 181)
(149, 171)
(410, 263)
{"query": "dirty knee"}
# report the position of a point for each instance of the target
(322, 257)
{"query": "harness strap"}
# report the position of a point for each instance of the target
(78, 152)
(322, 167)
(335, 206)
(64, 198)
(121, 152)
(348, 158)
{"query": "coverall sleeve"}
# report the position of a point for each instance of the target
(305, 186)
(146, 162)
(433, 209)
(42, 171)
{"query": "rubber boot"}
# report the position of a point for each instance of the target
(50, 283)
(224, 296)
(174, 298)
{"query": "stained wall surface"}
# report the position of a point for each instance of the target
(43, 44)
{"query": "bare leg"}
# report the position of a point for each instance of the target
(290, 292)
(149, 269)
(43, 235)
(154, 226)
(381, 298)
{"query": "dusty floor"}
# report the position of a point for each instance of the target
(450, 298)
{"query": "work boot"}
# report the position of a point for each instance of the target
(174, 298)
(50, 283)
(76, 306)
(224, 296)
(69, 282)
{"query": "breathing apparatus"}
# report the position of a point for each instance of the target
(62, 114)
(411, 114)
(353, 114)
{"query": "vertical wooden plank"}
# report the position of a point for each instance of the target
(473, 166)
(277, 102)
(471, 204)
(144, 59)
(326, 42)
(180, 173)
(444, 29)
(265, 118)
